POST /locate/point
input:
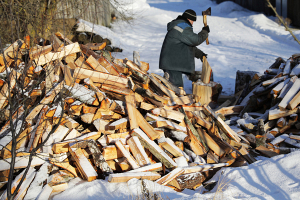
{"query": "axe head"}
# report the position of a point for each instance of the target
(207, 12)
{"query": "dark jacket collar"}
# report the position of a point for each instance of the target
(183, 18)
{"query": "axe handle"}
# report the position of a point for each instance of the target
(205, 24)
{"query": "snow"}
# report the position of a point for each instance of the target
(239, 40)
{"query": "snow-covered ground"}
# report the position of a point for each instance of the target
(239, 40)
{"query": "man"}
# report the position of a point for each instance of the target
(179, 48)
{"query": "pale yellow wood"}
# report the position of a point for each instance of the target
(111, 152)
(69, 49)
(206, 71)
(132, 112)
(170, 176)
(99, 77)
(138, 152)
(203, 93)
(95, 64)
(124, 177)
(84, 166)
(7, 87)
(294, 102)
(127, 155)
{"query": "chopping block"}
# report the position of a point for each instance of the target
(204, 90)
(205, 93)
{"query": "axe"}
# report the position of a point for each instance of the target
(204, 14)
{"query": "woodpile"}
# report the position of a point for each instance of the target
(94, 116)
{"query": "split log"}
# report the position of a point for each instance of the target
(112, 138)
(57, 44)
(111, 152)
(152, 167)
(127, 155)
(99, 77)
(84, 166)
(33, 54)
(169, 145)
(170, 114)
(290, 94)
(276, 113)
(221, 124)
(62, 147)
(96, 65)
(138, 151)
(170, 176)
(188, 181)
(124, 177)
(46, 58)
(154, 148)
(206, 71)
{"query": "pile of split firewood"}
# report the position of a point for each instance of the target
(93, 116)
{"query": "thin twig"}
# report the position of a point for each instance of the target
(280, 19)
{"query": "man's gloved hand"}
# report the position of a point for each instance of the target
(195, 76)
(201, 58)
(206, 28)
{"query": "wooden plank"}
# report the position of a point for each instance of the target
(127, 155)
(99, 77)
(290, 94)
(138, 151)
(124, 177)
(84, 166)
(154, 148)
(46, 58)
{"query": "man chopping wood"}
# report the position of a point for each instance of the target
(180, 47)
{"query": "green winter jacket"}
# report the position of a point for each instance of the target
(179, 47)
